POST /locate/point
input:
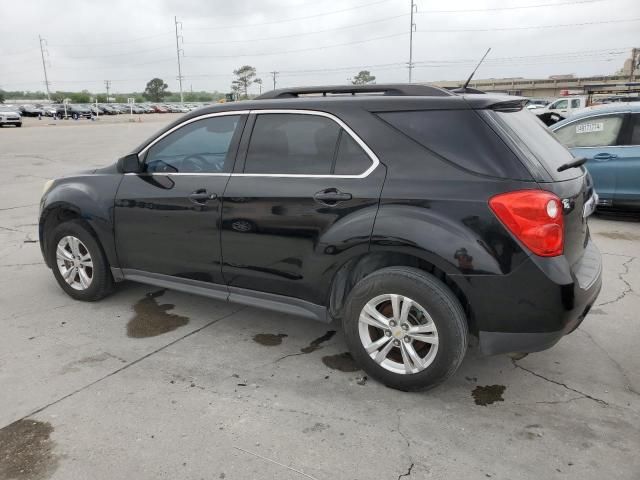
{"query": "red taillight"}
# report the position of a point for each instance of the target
(534, 217)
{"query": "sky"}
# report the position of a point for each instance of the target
(308, 42)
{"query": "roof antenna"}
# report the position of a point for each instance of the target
(463, 89)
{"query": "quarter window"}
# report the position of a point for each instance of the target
(351, 158)
(600, 131)
(635, 129)
(198, 147)
(575, 103)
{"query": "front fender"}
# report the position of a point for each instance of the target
(89, 197)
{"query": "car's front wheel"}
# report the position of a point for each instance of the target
(78, 262)
(405, 328)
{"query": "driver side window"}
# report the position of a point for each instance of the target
(198, 147)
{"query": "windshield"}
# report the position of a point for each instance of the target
(536, 142)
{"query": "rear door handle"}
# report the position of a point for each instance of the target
(603, 157)
(201, 196)
(331, 196)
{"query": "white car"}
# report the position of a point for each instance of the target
(10, 116)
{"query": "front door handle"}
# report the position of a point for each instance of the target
(331, 196)
(603, 157)
(201, 196)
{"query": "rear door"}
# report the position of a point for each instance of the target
(167, 218)
(628, 171)
(301, 203)
(597, 138)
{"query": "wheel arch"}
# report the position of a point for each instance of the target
(355, 269)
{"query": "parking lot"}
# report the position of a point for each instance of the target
(159, 384)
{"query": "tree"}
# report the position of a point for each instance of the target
(1, 96)
(246, 76)
(156, 90)
(363, 78)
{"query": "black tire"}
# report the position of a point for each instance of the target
(19, 124)
(59, 116)
(441, 304)
(74, 116)
(102, 281)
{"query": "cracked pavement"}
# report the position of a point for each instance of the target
(205, 400)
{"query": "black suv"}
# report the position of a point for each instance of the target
(413, 214)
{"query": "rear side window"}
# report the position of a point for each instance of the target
(461, 137)
(536, 142)
(292, 144)
(599, 131)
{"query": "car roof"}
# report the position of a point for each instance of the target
(608, 108)
(366, 102)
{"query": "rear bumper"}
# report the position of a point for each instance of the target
(532, 308)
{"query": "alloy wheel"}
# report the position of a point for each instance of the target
(74, 262)
(398, 334)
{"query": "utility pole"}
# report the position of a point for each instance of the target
(43, 42)
(412, 28)
(274, 75)
(107, 84)
(178, 50)
(634, 64)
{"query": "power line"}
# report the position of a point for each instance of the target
(536, 27)
(294, 19)
(522, 7)
(135, 39)
(265, 54)
(279, 37)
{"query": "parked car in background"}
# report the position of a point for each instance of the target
(50, 110)
(31, 111)
(10, 116)
(560, 109)
(412, 214)
(608, 136)
(159, 109)
(535, 103)
(108, 109)
(73, 111)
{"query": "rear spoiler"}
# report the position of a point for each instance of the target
(509, 105)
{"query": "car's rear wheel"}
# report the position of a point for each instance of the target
(405, 328)
(78, 262)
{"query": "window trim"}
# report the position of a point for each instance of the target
(600, 114)
(372, 156)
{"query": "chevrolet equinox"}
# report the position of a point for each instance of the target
(415, 215)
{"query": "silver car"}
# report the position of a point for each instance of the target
(10, 116)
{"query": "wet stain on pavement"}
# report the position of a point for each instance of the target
(342, 361)
(488, 394)
(151, 319)
(269, 339)
(26, 451)
(316, 344)
(619, 236)
(597, 311)
(318, 427)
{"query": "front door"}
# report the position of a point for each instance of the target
(303, 202)
(628, 171)
(167, 217)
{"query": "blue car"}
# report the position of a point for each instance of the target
(609, 138)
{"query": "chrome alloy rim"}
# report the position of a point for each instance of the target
(74, 263)
(398, 334)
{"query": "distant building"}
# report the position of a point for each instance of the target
(555, 85)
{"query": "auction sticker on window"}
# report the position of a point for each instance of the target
(590, 127)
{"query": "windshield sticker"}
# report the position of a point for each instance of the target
(590, 127)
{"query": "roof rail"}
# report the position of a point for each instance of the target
(382, 89)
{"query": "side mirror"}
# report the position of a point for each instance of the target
(129, 164)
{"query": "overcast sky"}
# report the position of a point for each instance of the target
(307, 41)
